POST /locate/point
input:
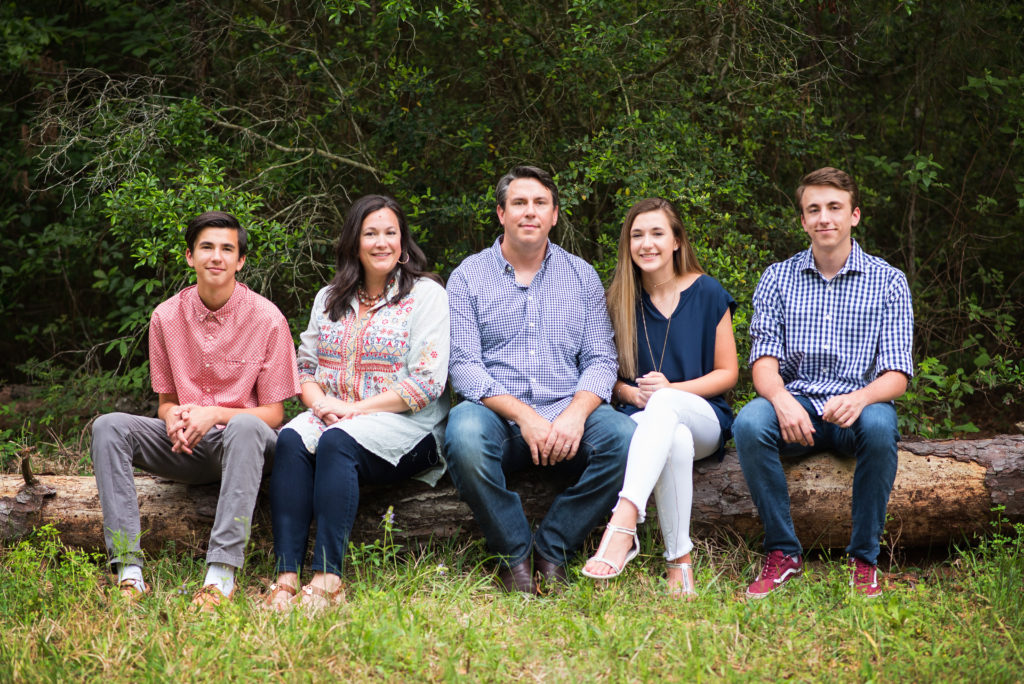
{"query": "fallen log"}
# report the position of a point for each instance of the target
(944, 491)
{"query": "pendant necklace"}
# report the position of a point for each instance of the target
(668, 326)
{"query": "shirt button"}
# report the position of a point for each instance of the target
(825, 347)
(206, 389)
(532, 325)
(529, 297)
(207, 365)
(209, 337)
(532, 352)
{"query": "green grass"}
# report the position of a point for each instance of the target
(433, 614)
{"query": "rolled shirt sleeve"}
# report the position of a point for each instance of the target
(895, 345)
(598, 361)
(466, 367)
(766, 333)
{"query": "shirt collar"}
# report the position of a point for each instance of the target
(855, 263)
(503, 263)
(235, 301)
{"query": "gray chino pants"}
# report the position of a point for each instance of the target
(236, 456)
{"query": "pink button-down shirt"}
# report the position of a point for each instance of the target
(240, 356)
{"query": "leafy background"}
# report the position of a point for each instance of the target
(125, 119)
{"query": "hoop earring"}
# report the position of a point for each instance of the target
(406, 259)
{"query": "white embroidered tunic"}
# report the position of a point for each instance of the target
(401, 347)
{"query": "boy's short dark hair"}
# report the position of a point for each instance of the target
(545, 179)
(829, 176)
(215, 219)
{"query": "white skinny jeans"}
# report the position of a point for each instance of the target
(661, 460)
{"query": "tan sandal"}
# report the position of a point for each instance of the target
(686, 587)
(273, 601)
(209, 597)
(315, 598)
(128, 590)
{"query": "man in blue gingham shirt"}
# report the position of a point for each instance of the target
(830, 349)
(532, 356)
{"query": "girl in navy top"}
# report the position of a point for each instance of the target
(677, 357)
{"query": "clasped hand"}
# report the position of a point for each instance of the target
(331, 409)
(187, 424)
(555, 441)
(649, 384)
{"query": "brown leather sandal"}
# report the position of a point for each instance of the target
(314, 598)
(273, 601)
(129, 591)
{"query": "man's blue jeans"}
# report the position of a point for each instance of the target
(871, 439)
(481, 447)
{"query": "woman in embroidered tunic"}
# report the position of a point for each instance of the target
(677, 357)
(372, 366)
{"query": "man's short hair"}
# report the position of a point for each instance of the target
(829, 176)
(214, 219)
(501, 191)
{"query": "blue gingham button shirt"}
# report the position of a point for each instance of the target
(833, 336)
(540, 343)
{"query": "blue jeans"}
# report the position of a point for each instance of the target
(327, 484)
(871, 439)
(481, 447)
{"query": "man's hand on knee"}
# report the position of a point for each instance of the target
(794, 423)
(535, 430)
(845, 409)
(564, 438)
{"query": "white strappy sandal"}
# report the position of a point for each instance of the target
(686, 588)
(599, 556)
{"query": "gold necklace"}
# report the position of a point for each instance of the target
(668, 326)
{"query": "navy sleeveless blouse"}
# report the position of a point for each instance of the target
(690, 347)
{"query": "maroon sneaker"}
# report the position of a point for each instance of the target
(778, 569)
(864, 578)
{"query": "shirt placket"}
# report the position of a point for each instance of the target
(532, 321)
(829, 340)
(210, 327)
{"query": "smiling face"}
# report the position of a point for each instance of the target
(652, 245)
(827, 216)
(380, 247)
(528, 215)
(216, 259)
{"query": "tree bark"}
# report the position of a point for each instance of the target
(944, 491)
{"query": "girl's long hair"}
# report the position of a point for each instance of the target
(624, 292)
(348, 273)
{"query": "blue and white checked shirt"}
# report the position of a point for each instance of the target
(833, 337)
(541, 343)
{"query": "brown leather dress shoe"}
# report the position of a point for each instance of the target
(550, 572)
(517, 578)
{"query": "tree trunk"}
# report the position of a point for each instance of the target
(944, 491)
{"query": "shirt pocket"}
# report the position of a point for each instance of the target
(239, 370)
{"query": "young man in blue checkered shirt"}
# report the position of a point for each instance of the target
(830, 351)
(532, 356)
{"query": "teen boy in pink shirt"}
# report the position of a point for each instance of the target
(222, 361)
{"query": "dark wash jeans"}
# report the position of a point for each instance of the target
(327, 484)
(871, 440)
(481, 447)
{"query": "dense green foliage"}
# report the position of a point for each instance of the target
(126, 119)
